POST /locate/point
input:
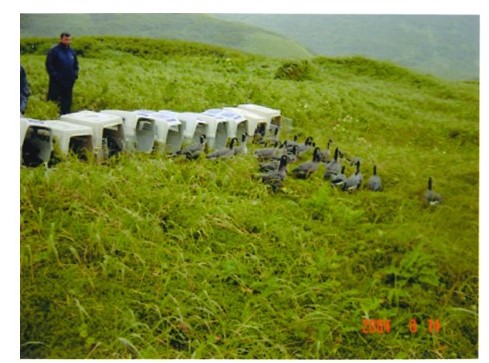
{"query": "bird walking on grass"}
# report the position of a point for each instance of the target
(193, 151)
(305, 147)
(339, 179)
(333, 167)
(223, 153)
(326, 153)
(353, 182)
(268, 152)
(432, 197)
(275, 178)
(305, 170)
(374, 182)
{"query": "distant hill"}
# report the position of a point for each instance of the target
(194, 27)
(447, 45)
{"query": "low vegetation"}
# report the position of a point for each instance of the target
(146, 256)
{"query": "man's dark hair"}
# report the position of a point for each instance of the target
(65, 34)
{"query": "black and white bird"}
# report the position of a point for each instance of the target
(193, 151)
(326, 153)
(432, 197)
(305, 147)
(332, 167)
(305, 170)
(339, 179)
(268, 152)
(354, 181)
(275, 178)
(292, 156)
(374, 182)
(223, 153)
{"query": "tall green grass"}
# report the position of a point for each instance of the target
(153, 257)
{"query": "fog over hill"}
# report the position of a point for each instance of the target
(202, 28)
(444, 45)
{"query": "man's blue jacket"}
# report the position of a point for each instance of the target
(62, 65)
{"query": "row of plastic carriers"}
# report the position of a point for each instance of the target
(141, 130)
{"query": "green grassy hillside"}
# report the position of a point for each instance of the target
(202, 28)
(444, 45)
(146, 256)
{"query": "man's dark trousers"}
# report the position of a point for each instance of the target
(61, 94)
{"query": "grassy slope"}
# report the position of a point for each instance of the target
(158, 258)
(193, 27)
(447, 46)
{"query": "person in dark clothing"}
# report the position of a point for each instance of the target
(24, 90)
(62, 67)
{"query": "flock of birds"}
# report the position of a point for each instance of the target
(276, 156)
(275, 159)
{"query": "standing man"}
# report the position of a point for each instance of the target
(62, 66)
